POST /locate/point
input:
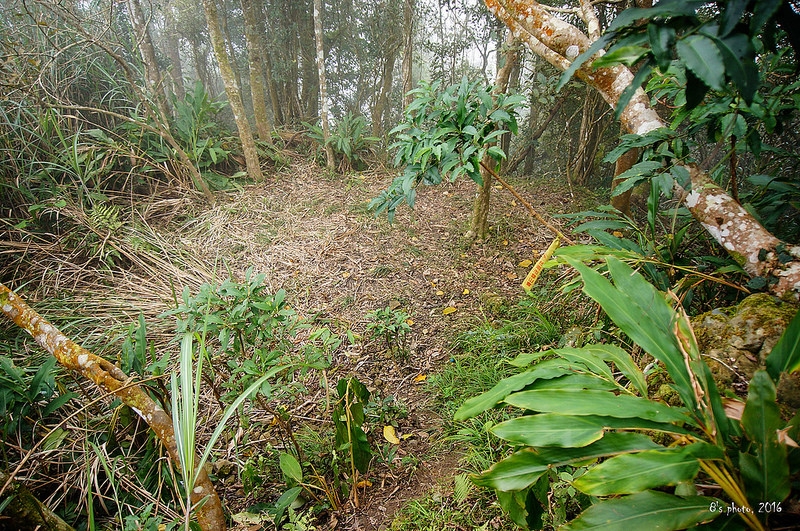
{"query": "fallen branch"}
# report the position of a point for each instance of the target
(110, 378)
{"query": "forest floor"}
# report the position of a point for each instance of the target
(312, 234)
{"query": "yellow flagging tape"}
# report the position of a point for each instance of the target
(536, 270)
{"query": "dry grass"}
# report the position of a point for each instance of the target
(311, 234)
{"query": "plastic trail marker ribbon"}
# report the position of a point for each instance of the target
(536, 270)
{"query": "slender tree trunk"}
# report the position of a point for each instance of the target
(256, 62)
(408, 50)
(479, 227)
(232, 90)
(173, 52)
(309, 51)
(148, 52)
(323, 86)
(112, 380)
(588, 138)
(622, 202)
(222, 16)
(382, 101)
(760, 253)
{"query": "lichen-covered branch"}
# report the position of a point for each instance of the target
(110, 378)
(752, 246)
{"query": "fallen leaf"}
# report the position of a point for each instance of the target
(439, 292)
(505, 242)
(449, 310)
(390, 434)
(618, 234)
(346, 274)
(733, 408)
(465, 292)
(420, 378)
(525, 263)
(511, 276)
(410, 322)
(363, 483)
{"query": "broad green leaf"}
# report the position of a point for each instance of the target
(665, 8)
(478, 404)
(701, 56)
(650, 510)
(626, 55)
(624, 363)
(630, 473)
(291, 467)
(636, 174)
(785, 356)
(591, 402)
(731, 16)
(568, 431)
(765, 470)
(521, 469)
(643, 314)
(661, 38)
(550, 430)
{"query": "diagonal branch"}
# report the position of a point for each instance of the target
(111, 379)
(760, 254)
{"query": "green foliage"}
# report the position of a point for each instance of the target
(349, 141)
(711, 52)
(391, 325)
(26, 396)
(446, 134)
(670, 254)
(589, 405)
(348, 420)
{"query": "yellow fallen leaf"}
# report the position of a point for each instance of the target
(390, 435)
(420, 378)
(465, 292)
(511, 276)
(346, 274)
(618, 234)
(525, 263)
(439, 292)
(449, 310)
(363, 483)
(410, 322)
(505, 242)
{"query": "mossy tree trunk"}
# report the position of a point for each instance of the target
(758, 252)
(112, 380)
(258, 93)
(232, 90)
(26, 512)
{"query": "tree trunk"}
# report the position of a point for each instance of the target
(588, 139)
(760, 253)
(173, 52)
(323, 86)
(147, 50)
(256, 62)
(112, 380)
(479, 227)
(25, 510)
(408, 50)
(622, 202)
(382, 101)
(309, 55)
(232, 90)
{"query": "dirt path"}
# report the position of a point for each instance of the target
(313, 235)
